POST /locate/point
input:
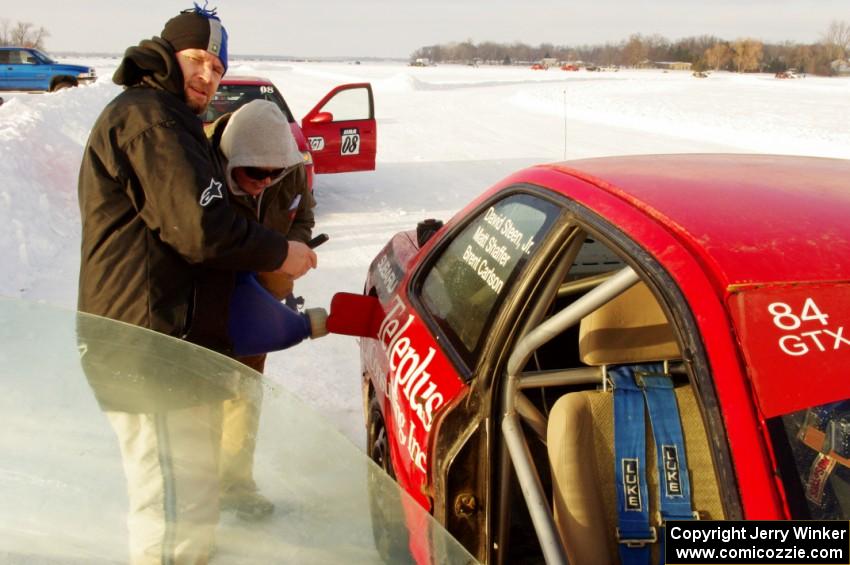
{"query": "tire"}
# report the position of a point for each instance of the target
(385, 507)
(63, 82)
(377, 442)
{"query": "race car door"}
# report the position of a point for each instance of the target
(341, 130)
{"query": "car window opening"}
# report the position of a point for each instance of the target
(558, 425)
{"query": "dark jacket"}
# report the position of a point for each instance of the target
(160, 242)
(274, 208)
(286, 207)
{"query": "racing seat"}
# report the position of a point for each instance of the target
(630, 329)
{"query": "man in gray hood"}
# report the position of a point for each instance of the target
(265, 176)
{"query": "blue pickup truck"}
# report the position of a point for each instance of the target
(24, 68)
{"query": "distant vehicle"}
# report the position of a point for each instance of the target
(786, 74)
(538, 67)
(25, 68)
(700, 74)
(493, 341)
(569, 68)
(338, 135)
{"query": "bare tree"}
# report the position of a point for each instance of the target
(703, 51)
(718, 56)
(747, 54)
(38, 37)
(5, 26)
(24, 34)
(837, 39)
(20, 33)
(635, 51)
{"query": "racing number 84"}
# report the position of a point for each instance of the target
(800, 343)
(785, 319)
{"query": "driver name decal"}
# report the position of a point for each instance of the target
(497, 246)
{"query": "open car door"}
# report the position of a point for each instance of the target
(341, 130)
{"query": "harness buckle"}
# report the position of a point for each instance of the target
(638, 542)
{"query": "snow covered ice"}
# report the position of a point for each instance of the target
(444, 135)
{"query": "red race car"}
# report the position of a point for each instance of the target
(499, 346)
(338, 135)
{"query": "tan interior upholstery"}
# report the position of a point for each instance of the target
(632, 328)
(580, 436)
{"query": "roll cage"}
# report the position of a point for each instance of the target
(519, 422)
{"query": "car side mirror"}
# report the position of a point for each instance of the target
(426, 229)
(322, 118)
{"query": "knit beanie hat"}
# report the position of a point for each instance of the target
(197, 28)
(258, 135)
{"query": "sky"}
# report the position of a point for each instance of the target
(396, 28)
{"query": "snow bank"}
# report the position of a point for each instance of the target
(41, 140)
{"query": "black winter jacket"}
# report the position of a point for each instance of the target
(160, 243)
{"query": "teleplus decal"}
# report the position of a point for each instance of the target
(410, 381)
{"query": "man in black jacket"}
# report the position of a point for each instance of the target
(160, 247)
(160, 242)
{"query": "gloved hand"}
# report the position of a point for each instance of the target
(299, 260)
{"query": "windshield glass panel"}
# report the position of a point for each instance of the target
(45, 58)
(112, 436)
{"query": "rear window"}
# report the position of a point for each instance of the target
(230, 97)
(813, 452)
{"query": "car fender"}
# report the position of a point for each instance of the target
(412, 378)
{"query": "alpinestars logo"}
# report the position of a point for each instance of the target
(211, 192)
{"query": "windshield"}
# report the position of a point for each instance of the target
(88, 400)
(45, 58)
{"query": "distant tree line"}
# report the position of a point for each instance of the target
(22, 34)
(703, 52)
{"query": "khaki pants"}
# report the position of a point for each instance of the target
(241, 415)
(240, 424)
(171, 462)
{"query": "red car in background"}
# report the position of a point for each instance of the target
(338, 135)
(493, 342)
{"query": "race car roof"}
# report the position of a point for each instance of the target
(246, 80)
(760, 218)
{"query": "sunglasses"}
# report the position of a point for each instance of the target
(257, 173)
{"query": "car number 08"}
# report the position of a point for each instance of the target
(350, 142)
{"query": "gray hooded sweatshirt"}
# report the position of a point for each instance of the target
(258, 135)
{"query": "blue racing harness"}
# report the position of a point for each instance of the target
(636, 386)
